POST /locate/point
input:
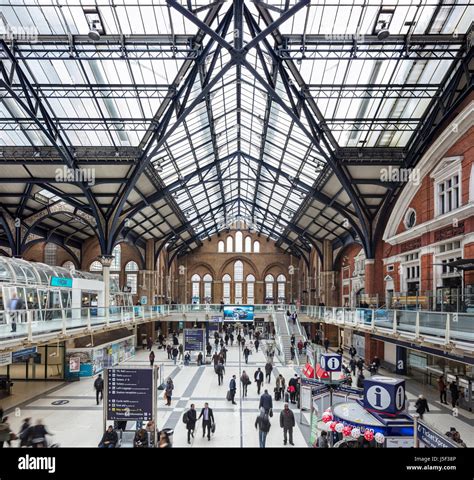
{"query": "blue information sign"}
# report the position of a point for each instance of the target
(23, 355)
(193, 339)
(61, 282)
(130, 394)
(242, 313)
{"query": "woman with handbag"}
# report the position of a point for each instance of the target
(245, 380)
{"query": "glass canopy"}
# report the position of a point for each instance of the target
(265, 135)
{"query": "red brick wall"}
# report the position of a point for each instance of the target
(36, 254)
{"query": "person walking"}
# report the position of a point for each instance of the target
(300, 347)
(279, 387)
(293, 340)
(258, 377)
(242, 342)
(24, 432)
(169, 391)
(360, 380)
(151, 357)
(287, 422)
(421, 406)
(262, 424)
(208, 348)
(226, 339)
(190, 417)
(352, 351)
(231, 337)
(199, 359)
(292, 351)
(149, 343)
(442, 390)
(453, 388)
(292, 386)
(266, 402)
(246, 354)
(268, 371)
(181, 351)
(207, 420)
(99, 388)
(175, 354)
(38, 434)
(352, 366)
(168, 351)
(14, 305)
(245, 381)
(220, 370)
(360, 365)
(326, 344)
(187, 359)
(232, 389)
(256, 343)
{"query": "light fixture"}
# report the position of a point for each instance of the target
(93, 32)
(383, 33)
(159, 167)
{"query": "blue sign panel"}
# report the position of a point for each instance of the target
(401, 366)
(432, 439)
(193, 339)
(331, 362)
(23, 355)
(384, 395)
(242, 313)
(61, 282)
(129, 394)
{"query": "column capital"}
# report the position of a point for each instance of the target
(106, 260)
(369, 261)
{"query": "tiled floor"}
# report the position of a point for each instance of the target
(78, 423)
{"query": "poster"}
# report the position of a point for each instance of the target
(5, 358)
(239, 313)
(75, 364)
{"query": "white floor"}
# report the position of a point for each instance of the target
(78, 423)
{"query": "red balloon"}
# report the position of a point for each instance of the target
(327, 417)
(369, 435)
(346, 431)
(332, 426)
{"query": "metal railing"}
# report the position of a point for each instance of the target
(438, 327)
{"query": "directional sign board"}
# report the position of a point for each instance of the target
(194, 339)
(130, 393)
(331, 362)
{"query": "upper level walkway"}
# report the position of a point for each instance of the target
(445, 330)
(441, 329)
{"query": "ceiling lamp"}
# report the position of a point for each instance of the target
(94, 32)
(383, 33)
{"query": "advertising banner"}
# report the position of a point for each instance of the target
(130, 393)
(5, 358)
(239, 313)
(194, 339)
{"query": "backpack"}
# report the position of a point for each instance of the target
(185, 417)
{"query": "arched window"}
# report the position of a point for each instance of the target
(269, 288)
(131, 277)
(248, 245)
(256, 246)
(230, 244)
(50, 251)
(69, 265)
(238, 279)
(221, 247)
(208, 287)
(281, 281)
(238, 242)
(116, 262)
(250, 289)
(95, 266)
(195, 282)
(226, 279)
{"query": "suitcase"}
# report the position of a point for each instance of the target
(229, 396)
(277, 395)
(287, 397)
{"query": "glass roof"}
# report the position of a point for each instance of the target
(248, 149)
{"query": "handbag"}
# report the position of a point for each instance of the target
(213, 428)
(271, 412)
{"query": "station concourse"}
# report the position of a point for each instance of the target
(240, 185)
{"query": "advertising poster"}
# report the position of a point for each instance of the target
(5, 358)
(75, 364)
(239, 313)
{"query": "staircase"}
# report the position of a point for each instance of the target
(284, 332)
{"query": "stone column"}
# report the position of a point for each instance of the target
(106, 261)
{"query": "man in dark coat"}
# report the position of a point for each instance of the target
(191, 421)
(109, 439)
(287, 422)
(233, 389)
(99, 388)
(266, 402)
(258, 377)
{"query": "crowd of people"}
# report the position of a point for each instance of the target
(30, 435)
